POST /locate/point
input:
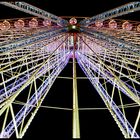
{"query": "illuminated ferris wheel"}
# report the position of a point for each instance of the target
(34, 51)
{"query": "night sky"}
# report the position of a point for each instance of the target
(52, 123)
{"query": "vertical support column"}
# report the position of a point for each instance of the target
(76, 127)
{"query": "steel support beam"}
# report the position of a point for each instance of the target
(33, 39)
(119, 11)
(30, 9)
(76, 125)
(110, 39)
(123, 124)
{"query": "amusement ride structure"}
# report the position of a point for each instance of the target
(34, 51)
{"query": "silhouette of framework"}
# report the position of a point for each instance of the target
(34, 50)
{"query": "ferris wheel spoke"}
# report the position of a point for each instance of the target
(117, 62)
(105, 74)
(31, 40)
(14, 34)
(11, 47)
(35, 51)
(29, 64)
(117, 68)
(30, 79)
(112, 49)
(119, 43)
(120, 74)
(28, 8)
(121, 33)
(30, 59)
(36, 98)
(119, 11)
(118, 116)
(6, 92)
(111, 74)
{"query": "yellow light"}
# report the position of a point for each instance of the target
(73, 27)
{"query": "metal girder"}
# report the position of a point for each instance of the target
(106, 75)
(110, 39)
(119, 11)
(40, 93)
(76, 123)
(34, 38)
(26, 35)
(13, 87)
(116, 113)
(107, 72)
(28, 8)
(29, 80)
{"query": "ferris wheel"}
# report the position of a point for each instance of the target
(35, 50)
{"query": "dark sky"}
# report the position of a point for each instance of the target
(58, 123)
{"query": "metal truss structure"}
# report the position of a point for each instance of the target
(32, 57)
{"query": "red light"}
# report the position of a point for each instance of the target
(127, 26)
(33, 23)
(113, 24)
(19, 24)
(98, 24)
(5, 25)
(73, 21)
